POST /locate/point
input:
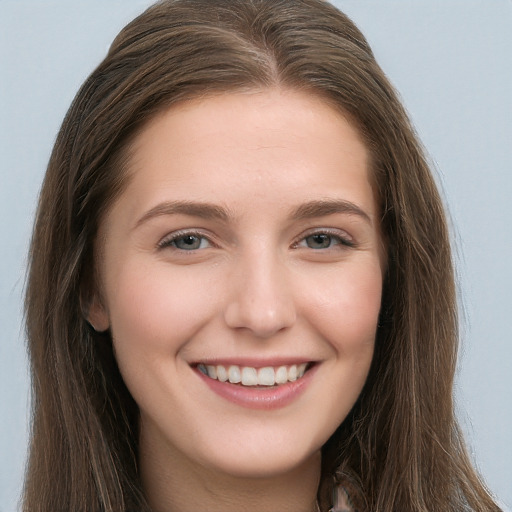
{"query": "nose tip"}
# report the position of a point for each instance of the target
(262, 320)
(262, 304)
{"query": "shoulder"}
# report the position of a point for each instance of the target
(342, 501)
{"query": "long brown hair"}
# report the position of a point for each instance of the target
(400, 449)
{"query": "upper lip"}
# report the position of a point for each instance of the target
(253, 362)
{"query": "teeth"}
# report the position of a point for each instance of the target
(266, 376)
(248, 376)
(234, 375)
(222, 374)
(212, 371)
(281, 375)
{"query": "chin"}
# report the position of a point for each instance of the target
(262, 458)
(274, 466)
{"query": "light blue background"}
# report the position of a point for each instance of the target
(451, 60)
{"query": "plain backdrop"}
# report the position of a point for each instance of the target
(451, 61)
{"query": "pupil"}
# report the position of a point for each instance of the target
(188, 242)
(320, 241)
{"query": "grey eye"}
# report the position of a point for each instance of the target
(320, 241)
(189, 242)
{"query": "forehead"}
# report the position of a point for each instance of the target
(248, 148)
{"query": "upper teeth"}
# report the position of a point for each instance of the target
(249, 376)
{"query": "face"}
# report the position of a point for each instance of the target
(241, 275)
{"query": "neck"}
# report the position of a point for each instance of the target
(173, 484)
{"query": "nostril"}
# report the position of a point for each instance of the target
(262, 319)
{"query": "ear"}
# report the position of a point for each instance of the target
(97, 315)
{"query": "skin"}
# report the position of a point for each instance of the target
(258, 286)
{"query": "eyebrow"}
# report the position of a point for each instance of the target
(192, 208)
(309, 210)
(325, 207)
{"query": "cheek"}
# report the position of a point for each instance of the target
(156, 309)
(347, 318)
(346, 309)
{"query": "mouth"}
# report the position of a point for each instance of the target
(248, 376)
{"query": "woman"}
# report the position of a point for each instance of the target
(241, 294)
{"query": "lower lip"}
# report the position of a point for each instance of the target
(273, 397)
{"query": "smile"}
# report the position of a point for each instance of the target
(250, 376)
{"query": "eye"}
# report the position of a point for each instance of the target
(185, 242)
(324, 240)
(320, 241)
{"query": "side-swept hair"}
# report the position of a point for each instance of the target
(400, 449)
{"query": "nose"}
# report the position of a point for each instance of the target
(261, 299)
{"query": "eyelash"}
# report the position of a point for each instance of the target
(333, 235)
(170, 240)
